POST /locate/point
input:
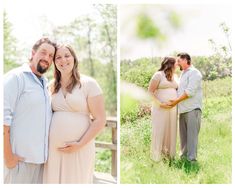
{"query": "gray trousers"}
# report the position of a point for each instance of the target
(24, 173)
(189, 126)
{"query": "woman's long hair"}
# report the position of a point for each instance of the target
(167, 67)
(75, 77)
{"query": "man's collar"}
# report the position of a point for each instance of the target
(26, 68)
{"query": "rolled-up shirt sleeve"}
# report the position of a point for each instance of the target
(11, 91)
(194, 83)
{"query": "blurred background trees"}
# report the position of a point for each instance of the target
(218, 65)
(9, 45)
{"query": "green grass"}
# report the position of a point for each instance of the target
(103, 156)
(103, 161)
(214, 164)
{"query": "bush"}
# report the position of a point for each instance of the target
(141, 70)
(129, 109)
(213, 67)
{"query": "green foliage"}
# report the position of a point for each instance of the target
(108, 41)
(174, 19)
(129, 109)
(214, 151)
(103, 156)
(103, 161)
(105, 135)
(214, 66)
(154, 23)
(9, 45)
(217, 88)
(146, 28)
(219, 65)
(217, 95)
(139, 71)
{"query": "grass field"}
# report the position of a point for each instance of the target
(214, 164)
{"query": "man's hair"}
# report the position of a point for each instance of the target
(41, 41)
(186, 56)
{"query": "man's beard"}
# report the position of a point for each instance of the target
(40, 69)
(180, 67)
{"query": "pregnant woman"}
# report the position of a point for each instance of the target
(163, 87)
(75, 98)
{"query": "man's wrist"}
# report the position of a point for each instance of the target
(177, 100)
(8, 157)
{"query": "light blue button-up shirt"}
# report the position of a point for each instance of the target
(27, 110)
(191, 83)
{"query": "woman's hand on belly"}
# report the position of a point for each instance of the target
(70, 147)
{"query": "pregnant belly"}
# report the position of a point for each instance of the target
(67, 127)
(164, 95)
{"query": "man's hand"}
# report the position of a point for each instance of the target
(13, 161)
(165, 105)
(172, 103)
(10, 159)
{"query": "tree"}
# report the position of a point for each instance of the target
(221, 61)
(108, 40)
(9, 45)
(90, 26)
(93, 37)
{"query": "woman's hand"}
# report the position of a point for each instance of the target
(70, 147)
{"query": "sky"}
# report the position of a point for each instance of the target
(200, 22)
(27, 15)
(30, 19)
